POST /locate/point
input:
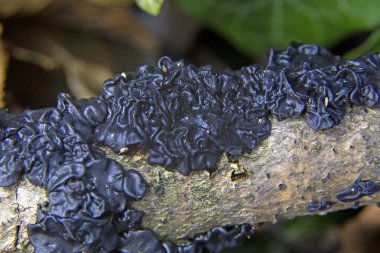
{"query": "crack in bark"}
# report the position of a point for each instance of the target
(17, 210)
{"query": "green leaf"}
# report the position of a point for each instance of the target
(371, 44)
(153, 7)
(254, 25)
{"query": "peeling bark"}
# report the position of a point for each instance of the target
(293, 167)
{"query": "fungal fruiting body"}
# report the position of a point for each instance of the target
(322, 204)
(358, 189)
(184, 117)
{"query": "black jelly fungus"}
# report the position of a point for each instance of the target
(322, 204)
(356, 205)
(140, 241)
(184, 117)
(358, 189)
(215, 240)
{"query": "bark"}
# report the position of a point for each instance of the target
(293, 167)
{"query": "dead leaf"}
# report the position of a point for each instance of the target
(115, 21)
(110, 2)
(362, 234)
(87, 40)
(3, 69)
(82, 76)
(9, 8)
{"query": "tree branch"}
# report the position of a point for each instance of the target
(195, 122)
(289, 170)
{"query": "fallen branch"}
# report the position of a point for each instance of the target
(289, 170)
(294, 167)
(194, 122)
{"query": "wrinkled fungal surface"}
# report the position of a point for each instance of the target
(216, 240)
(322, 204)
(184, 117)
(358, 189)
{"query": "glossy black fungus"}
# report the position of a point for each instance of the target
(216, 240)
(184, 117)
(323, 204)
(88, 193)
(140, 241)
(358, 189)
(356, 205)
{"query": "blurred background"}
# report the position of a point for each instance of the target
(72, 46)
